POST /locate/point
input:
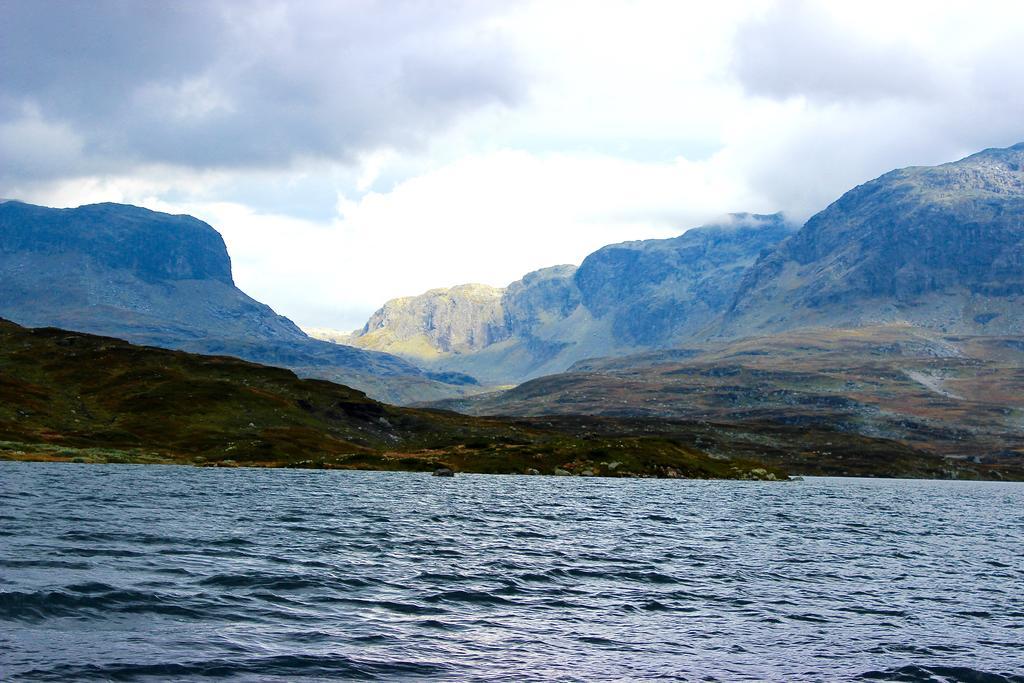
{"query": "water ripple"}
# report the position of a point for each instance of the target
(166, 573)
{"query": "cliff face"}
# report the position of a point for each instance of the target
(897, 312)
(635, 295)
(152, 246)
(164, 280)
(541, 297)
(659, 291)
(941, 247)
(461, 319)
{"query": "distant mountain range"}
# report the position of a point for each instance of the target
(896, 312)
(623, 298)
(163, 280)
(936, 252)
(941, 248)
(895, 316)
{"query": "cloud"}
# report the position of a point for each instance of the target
(486, 218)
(840, 94)
(37, 148)
(243, 84)
(804, 49)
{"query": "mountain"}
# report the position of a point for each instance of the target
(165, 280)
(125, 268)
(938, 247)
(459, 319)
(896, 312)
(656, 292)
(622, 298)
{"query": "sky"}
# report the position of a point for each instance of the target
(354, 151)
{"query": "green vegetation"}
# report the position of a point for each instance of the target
(74, 397)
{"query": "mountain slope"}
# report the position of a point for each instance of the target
(622, 298)
(940, 247)
(951, 395)
(166, 280)
(658, 292)
(898, 311)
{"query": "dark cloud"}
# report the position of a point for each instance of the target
(236, 83)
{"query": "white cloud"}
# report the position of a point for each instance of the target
(809, 50)
(489, 219)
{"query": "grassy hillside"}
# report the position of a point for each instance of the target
(961, 398)
(70, 396)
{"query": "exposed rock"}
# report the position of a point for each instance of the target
(443, 472)
(934, 254)
(657, 292)
(940, 247)
(152, 246)
(460, 319)
(539, 298)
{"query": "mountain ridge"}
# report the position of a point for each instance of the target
(937, 246)
(897, 311)
(940, 247)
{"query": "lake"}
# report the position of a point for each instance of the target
(124, 572)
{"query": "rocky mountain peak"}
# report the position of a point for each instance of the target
(875, 254)
(153, 246)
(447, 320)
(640, 294)
(163, 280)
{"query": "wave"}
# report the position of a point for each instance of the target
(940, 674)
(292, 665)
(83, 600)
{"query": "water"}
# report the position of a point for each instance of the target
(168, 573)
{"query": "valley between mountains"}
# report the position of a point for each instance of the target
(883, 337)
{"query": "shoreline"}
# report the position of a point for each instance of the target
(335, 467)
